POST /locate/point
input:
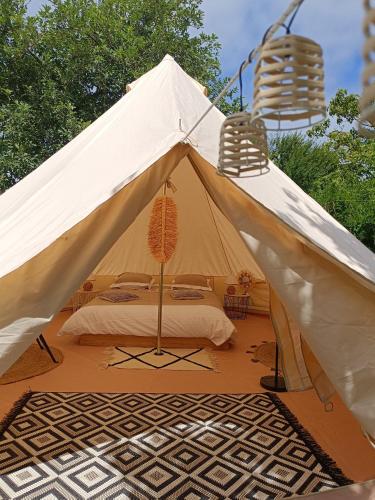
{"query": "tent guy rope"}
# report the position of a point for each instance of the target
(292, 8)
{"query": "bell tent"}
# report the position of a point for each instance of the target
(86, 209)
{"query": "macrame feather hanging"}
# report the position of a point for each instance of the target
(162, 240)
(162, 234)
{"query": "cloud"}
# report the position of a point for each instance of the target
(336, 25)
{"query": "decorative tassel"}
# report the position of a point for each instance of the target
(214, 361)
(16, 409)
(162, 235)
(328, 465)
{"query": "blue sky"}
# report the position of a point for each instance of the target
(239, 24)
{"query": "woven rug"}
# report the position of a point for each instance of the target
(33, 362)
(171, 359)
(146, 446)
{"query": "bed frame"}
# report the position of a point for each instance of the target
(167, 342)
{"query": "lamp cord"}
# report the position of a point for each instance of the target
(292, 8)
(293, 16)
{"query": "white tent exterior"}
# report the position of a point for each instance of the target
(59, 223)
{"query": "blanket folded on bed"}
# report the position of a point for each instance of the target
(118, 296)
(186, 294)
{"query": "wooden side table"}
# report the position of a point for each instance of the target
(82, 297)
(236, 306)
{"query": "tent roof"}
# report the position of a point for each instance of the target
(144, 78)
(72, 183)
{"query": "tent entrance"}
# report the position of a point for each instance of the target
(207, 242)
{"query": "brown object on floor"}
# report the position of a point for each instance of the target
(266, 354)
(33, 362)
(134, 341)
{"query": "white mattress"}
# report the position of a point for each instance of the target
(187, 319)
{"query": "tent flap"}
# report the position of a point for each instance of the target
(42, 286)
(333, 311)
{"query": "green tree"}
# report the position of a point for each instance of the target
(335, 165)
(61, 69)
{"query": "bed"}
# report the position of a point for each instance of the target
(186, 323)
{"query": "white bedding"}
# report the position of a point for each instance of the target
(187, 318)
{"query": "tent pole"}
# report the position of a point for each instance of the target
(160, 310)
(158, 339)
(43, 344)
(274, 383)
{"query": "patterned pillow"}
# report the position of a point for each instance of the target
(118, 296)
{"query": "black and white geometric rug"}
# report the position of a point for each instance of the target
(147, 446)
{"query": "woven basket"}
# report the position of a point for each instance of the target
(243, 145)
(289, 83)
(367, 101)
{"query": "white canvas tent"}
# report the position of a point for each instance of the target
(59, 223)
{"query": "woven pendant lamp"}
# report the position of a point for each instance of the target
(367, 101)
(289, 83)
(243, 145)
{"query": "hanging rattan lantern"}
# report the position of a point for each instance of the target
(243, 145)
(367, 101)
(289, 83)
